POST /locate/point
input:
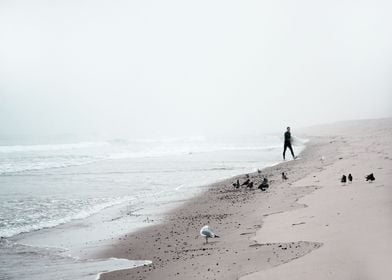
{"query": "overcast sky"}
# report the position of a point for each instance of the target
(185, 68)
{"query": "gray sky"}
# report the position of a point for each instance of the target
(182, 68)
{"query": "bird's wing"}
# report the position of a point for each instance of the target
(206, 231)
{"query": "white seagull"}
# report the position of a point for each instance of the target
(207, 232)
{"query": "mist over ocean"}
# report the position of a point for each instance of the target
(132, 182)
(76, 74)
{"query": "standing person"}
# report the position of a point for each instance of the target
(287, 143)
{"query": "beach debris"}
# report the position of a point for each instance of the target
(370, 177)
(245, 183)
(207, 232)
(297, 224)
(236, 184)
(250, 185)
(344, 179)
(259, 171)
(247, 175)
(264, 185)
(284, 177)
(350, 177)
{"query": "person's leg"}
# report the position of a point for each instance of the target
(291, 150)
(284, 151)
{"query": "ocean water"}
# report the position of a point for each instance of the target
(59, 199)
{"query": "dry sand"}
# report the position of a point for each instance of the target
(308, 227)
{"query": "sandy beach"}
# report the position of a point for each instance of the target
(310, 226)
(125, 126)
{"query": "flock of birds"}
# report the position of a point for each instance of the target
(344, 178)
(249, 184)
(207, 232)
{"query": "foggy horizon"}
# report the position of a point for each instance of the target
(131, 69)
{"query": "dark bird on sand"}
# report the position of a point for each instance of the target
(259, 171)
(264, 185)
(245, 183)
(250, 185)
(236, 184)
(344, 179)
(350, 177)
(284, 177)
(247, 175)
(370, 177)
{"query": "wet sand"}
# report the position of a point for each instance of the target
(255, 240)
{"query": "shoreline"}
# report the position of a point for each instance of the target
(84, 239)
(32, 237)
(239, 217)
(176, 242)
(352, 219)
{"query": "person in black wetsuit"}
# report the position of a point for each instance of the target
(287, 143)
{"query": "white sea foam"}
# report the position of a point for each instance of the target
(24, 262)
(16, 159)
(55, 147)
(19, 158)
(27, 222)
(151, 175)
(22, 166)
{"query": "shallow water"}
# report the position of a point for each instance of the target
(80, 197)
(35, 263)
